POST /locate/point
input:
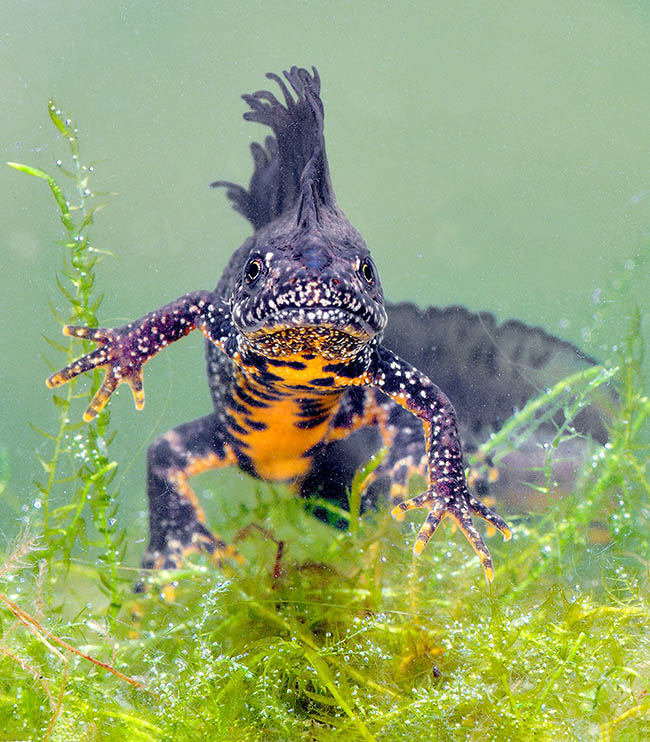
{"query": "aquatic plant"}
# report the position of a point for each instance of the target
(78, 472)
(329, 634)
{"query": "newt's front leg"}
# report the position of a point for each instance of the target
(124, 350)
(447, 493)
(177, 522)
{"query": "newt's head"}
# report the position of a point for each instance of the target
(305, 281)
(308, 279)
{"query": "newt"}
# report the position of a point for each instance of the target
(309, 368)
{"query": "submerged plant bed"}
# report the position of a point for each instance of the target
(345, 637)
(326, 633)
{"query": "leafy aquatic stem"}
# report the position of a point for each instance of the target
(362, 479)
(499, 444)
(89, 466)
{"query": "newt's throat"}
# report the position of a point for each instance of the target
(326, 342)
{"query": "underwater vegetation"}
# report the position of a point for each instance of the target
(325, 634)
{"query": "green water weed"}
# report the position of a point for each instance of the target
(79, 472)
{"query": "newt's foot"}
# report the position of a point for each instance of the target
(178, 546)
(445, 502)
(120, 352)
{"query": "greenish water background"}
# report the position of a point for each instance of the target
(492, 154)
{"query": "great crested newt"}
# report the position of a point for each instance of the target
(310, 370)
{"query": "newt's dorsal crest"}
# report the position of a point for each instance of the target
(291, 171)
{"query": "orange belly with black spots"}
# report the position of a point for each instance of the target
(276, 425)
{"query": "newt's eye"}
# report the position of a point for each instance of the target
(252, 271)
(368, 272)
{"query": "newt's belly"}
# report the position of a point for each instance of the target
(277, 429)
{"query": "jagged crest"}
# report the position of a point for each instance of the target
(291, 168)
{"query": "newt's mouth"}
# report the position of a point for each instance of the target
(333, 320)
(330, 332)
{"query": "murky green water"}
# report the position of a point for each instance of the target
(493, 154)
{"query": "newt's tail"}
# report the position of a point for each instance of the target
(294, 155)
(488, 370)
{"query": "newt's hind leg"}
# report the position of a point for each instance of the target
(176, 520)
